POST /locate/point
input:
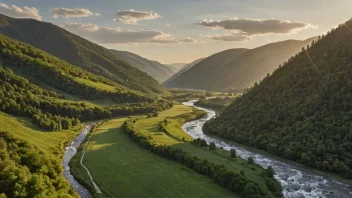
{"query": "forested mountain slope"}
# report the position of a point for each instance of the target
(44, 68)
(303, 111)
(237, 69)
(154, 69)
(78, 51)
(181, 71)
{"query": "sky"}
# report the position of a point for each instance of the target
(181, 31)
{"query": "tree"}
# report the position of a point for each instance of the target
(233, 153)
(250, 160)
(212, 146)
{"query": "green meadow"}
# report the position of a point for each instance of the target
(122, 168)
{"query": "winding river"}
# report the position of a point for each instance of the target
(296, 181)
(70, 151)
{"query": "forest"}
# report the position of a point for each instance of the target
(303, 110)
(42, 67)
(20, 97)
(80, 52)
(217, 103)
(27, 172)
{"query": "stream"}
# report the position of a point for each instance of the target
(296, 181)
(70, 151)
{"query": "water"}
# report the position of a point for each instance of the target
(296, 181)
(70, 151)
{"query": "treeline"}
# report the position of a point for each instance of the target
(303, 111)
(184, 95)
(233, 181)
(21, 98)
(217, 103)
(27, 172)
(42, 67)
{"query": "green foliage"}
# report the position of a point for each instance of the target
(41, 67)
(217, 103)
(250, 160)
(27, 172)
(233, 153)
(78, 51)
(200, 142)
(232, 180)
(212, 146)
(20, 97)
(302, 111)
(184, 95)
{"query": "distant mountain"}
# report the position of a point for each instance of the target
(78, 51)
(177, 66)
(303, 110)
(236, 69)
(154, 69)
(184, 69)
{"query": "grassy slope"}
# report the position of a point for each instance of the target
(124, 169)
(22, 128)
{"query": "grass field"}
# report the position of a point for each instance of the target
(22, 128)
(150, 127)
(122, 168)
(97, 85)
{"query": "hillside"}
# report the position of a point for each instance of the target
(185, 68)
(177, 66)
(302, 111)
(236, 69)
(78, 51)
(23, 64)
(154, 69)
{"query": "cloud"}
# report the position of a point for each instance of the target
(228, 37)
(106, 35)
(17, 12)
(133, 16)
(69, 13)
(257, 26)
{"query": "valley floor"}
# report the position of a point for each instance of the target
(123, 168)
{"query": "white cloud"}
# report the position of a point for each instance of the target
(17, 12)
(133, 16)
(228, 37)
(257, 26)
(69, 13)
(106, 35)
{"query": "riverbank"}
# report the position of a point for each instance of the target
(296, 180)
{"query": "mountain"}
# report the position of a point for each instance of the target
(177, 66)
(154, 69)
(78, 51)
(184, 69)
(236, 69)
(303, 111)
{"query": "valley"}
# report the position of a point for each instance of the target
(96, 103)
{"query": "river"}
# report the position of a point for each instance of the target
(70, 151)
(296, 181)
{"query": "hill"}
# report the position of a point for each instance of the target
(22, 64)
(185, 68)
(154, 69)
(302, 111)
(236, 69)
(177, 66)
(78, 51)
